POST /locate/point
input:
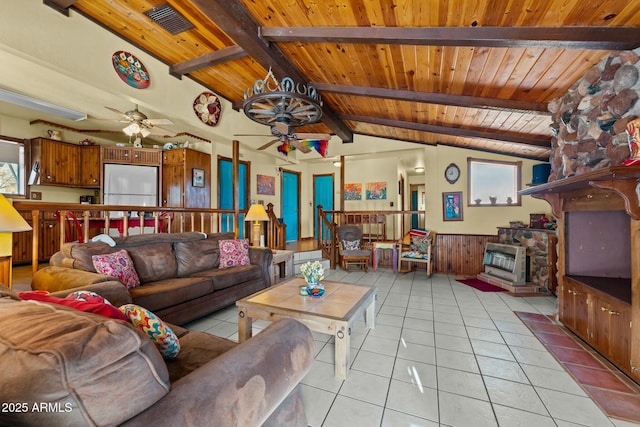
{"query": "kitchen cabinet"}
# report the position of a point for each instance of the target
(48, 239)
(89, 173)
(57, 162)
(181, 186)
(131, 155)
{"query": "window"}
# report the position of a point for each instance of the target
(493, 183)
(12, 167)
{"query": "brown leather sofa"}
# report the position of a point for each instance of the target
(65, 367)
(179, 274)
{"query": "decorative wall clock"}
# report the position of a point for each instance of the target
(452, 173)
(207, 108)
(130, 70)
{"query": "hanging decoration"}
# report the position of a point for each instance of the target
(130, 70)
(320, 145)
(207, 108)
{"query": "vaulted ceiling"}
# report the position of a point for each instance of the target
(467, 73)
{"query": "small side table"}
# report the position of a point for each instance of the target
(281, 256)
(385, 245)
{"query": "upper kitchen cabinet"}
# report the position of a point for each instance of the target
(130, 155)
(90, 166)
(56, 162)
(186, 178)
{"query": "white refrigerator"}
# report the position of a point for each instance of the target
(130, 185)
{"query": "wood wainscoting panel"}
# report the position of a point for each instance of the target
(461, 253)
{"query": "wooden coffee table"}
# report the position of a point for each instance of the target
(334, 313)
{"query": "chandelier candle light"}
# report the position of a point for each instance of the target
(313, 273)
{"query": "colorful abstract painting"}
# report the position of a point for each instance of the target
(353, 191)
(376, 190)
(266, 185)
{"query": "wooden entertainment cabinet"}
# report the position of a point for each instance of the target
(599, 259)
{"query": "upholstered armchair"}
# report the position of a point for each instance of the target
(350, 248)
(417, 247)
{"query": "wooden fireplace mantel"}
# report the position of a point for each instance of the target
(622, 180)
(603, 311)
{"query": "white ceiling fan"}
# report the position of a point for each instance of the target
(140, 124)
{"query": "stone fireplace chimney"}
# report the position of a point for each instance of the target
(589, 122)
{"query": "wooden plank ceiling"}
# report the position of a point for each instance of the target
(468, 73)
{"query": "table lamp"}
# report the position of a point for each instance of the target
(256, 214)
(10, 221)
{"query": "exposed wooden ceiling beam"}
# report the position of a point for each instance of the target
(436, 98)
(227, 54)
(599, 38)
(61, 6)
(455, 131)
(234, 19)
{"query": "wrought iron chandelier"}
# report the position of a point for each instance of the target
(272, 102)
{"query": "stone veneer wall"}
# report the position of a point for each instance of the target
(589, 122)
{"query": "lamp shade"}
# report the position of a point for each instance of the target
(10, 219)
(256, 213)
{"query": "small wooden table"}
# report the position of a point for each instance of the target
(385, 245)
(334, 313)
(281, 256)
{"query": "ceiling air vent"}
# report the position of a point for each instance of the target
(169, 19)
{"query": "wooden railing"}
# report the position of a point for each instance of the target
(276, 230)
(116, 220)
(376, 226)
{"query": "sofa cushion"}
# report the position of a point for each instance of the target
(166, 293)
(162, 336)
(234, 252)
(228, 277)
(76, 362)
(197, 349)
(79, 254)
(118, 265)
(154, 261)
(196, 256)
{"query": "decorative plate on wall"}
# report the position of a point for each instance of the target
(207, 107)
(130, 70)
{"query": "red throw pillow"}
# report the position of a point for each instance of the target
(101, 308)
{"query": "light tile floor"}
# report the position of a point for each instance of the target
(442, 354)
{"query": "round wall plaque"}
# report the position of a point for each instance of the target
(130, 70)
(207, 108)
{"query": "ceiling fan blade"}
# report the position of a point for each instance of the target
(283, 128)
(303, 148)
(268, 144)
(250, 134)
(155, 130)
(155, 122)
(120, 113)
(321, 136)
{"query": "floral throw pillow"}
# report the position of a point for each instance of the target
(351, 245)
(118, 265)
(234, 252)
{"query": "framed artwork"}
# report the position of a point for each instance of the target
(266, 185)
(452, 206)
(376, 190)
(353, 191)
(198, 177)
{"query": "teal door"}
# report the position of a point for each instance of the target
(225, 195)
(322, 195)
(291, 204)
(414, 207)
